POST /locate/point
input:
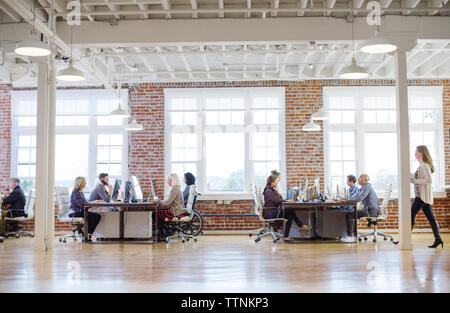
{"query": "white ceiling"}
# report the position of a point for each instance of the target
(269, 60)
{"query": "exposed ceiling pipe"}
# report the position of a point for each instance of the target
(24, 11)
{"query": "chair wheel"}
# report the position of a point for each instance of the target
(167, 240)
(187, 239)
(60, 239)
(250, 235)
(32, 236)
(17, 235)
(64, 240)
(365, 238)
(359, 239)
(257, 239)
(385, 239)
(195, 240)
(182, 241)
(374, 240)
(74, 238)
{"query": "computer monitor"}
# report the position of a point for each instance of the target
(153, 195)
(116, 189)
(128, 194)
(317, 184)
(137, 191)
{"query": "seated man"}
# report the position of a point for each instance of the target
(369, 199)
(16, 199)
(352, 192)
(100, 192)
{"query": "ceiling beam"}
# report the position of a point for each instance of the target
(143, 7)
(301, 4)
(10, 12)
(433, 64)
(135, 33)
(409, 4)
(275, 4)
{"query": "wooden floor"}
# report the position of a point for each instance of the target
(225, 264)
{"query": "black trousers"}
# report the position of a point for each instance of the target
(93, 220)
(289, 215)
(418, 205)
(350, 219)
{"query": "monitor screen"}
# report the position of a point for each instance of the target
(137, 191)
(154, 195)
(317, 184)
(116, 190)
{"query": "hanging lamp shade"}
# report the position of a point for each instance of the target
(379, 43)
(354, 71)
(134, 126)
(32, 48)
(70, 74)
(321, 115)
(311, 127)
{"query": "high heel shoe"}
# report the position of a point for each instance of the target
(437, 243)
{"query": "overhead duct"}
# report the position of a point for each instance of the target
(24, 11)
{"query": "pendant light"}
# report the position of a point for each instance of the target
(378, 44)
(119, 112)
(70, 74)
(353, 71)
(134, 126)
(321, 115)
(33, 47)
(311, 127)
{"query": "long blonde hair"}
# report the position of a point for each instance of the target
(175, 180)
(426, 156)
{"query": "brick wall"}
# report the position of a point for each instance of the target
(304, 151)
(5, 137)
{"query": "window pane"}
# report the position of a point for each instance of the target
(225, 160)
(381, 159)
(72, 158)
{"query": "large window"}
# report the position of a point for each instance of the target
(228, 138)
(361, 137)
(88, 141)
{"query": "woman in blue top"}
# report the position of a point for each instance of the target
(77, 202)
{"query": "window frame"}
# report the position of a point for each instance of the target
(200, 94)
(360, 128)
(92, 130)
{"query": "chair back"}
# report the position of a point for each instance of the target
(257, 199)
(386, 198)
(63, 201)
(29, 208)
(191, 199)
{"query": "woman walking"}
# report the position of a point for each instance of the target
(423, 195)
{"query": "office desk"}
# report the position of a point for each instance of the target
(4, 208)
(124, 207)
(321, 206)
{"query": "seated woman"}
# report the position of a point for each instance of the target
(273, 200)
(77, 202)
(189, 180)
(174, 203)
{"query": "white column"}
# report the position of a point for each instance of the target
(45, 157)
(404, 195)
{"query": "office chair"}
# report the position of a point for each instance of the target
(63, 202)
(375, 220)
(266, 230)
(29, 211)
(177, 223)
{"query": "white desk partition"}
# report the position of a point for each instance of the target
(137, 225)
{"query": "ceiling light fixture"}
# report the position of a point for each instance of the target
(70, 73)
(119, 112)
(378, 44)
(134, 126)
(321, 115)
(353, 71)
(33, 47)
(311, 127)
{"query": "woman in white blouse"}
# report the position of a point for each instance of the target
(422, 189)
